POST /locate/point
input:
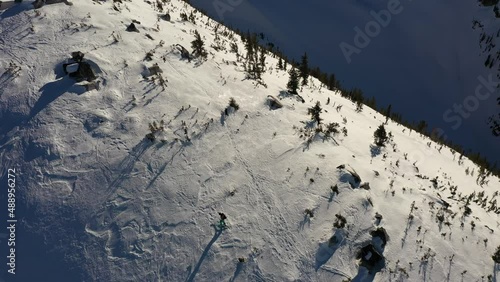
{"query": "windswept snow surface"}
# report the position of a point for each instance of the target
(97, 201)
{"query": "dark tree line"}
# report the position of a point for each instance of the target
(255, 64)
(489, 46)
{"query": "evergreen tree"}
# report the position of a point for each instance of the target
(253, 72)
(198, 46)
(280, 63)
(304, 69)
(249, 46)
(356, 95)
(262, 63)
(255, 65)
(192, 18)
(421, 126)
(359, 106)
(315, 112)
(293, 81)
(380, 136)
(388, 113)
(323, 77)
(332, 82)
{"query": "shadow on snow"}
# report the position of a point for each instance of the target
(10, 8)
(203, 255)
(328, 248)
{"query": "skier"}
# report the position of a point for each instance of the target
(223, 217)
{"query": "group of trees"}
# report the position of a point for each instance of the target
(380, 136)
(255, 61)
(297, 73)
(356, 96)
(198, 46)
(293, 81)
(300, 74)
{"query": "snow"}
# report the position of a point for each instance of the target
(113, 206)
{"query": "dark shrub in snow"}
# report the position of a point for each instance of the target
(496, 255)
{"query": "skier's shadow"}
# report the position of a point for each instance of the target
(204, 255)
(239, 267)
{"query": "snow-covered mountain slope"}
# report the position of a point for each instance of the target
(114, 206)
(422, 58)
